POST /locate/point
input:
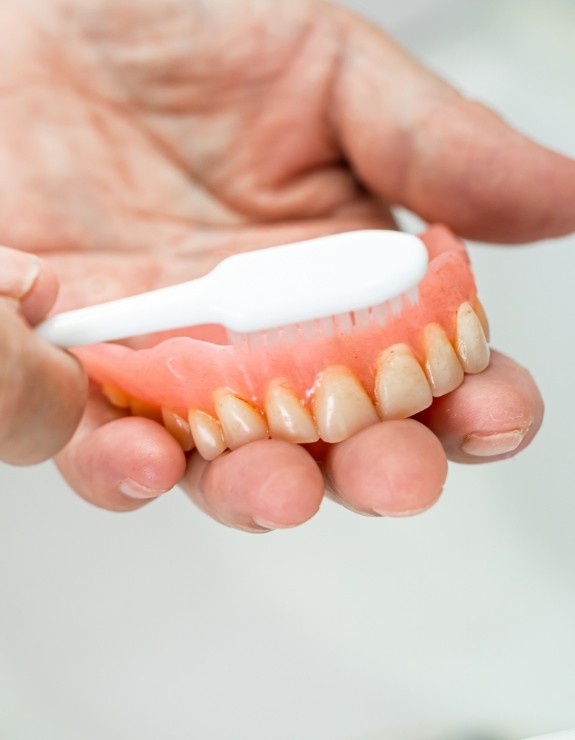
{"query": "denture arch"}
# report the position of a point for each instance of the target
(327, 386)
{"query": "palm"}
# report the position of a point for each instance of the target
(141, 141)
(169, 149)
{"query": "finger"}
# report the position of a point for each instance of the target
(28, 280)
(492, 416)
(120, 462)
(449, 159)
(395, 468)
(42, 389)
(42, 394)
(261, 486)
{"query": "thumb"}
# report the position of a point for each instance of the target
(415, 141)
(42, 389)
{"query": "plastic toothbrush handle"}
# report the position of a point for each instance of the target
(146, 313)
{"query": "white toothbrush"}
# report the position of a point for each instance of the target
(262, 290)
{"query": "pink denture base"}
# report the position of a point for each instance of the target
(182, 373)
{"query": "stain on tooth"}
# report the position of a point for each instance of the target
(470, 342)
(287, 418)
(145, 409)
(401, 386)
(178, 428)
(482, 316)
(116, 396)
(341, 406)
(241, 422)
(207, 434)
(442, 367)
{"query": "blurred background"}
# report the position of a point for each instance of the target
(455, 625)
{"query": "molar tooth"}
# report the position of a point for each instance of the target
(178, 428)
(241, 422)
(341, 406)
(442, 367)
(116, 396)
(470, 343)
(401, 387)
(145, 409)
(207, 434)
(287, 418)
(482, 316)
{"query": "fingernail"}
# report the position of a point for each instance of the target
(18, 271)
(264, 524)
(401, 512)
(133, 489)
(492, 445)
(382, 512)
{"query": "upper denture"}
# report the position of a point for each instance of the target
(322, 385)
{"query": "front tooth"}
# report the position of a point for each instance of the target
(178, 428)
(401, 388)
(287, 418)
(470, 343)
(482, 316)
(241, 422)
(442, 367)
(207, 434)
(341, 406)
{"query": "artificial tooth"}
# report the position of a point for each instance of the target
(482, 316)
(470, 343)
(442, 367)
(207, 434)
(341, 406)
(287, 418)
(116, 396)
(401, 387)
(178, 428)
(145, 409)
(241, 422)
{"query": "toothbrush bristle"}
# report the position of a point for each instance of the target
(328, 326)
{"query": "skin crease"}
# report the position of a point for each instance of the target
(143, 140)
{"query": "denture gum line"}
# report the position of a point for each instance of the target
(341, 400)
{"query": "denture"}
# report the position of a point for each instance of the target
(323, 385)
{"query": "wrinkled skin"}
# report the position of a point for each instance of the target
(142, 140)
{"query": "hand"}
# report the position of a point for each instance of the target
(141, 141)
(42, 390)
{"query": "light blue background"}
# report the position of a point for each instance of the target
(456, 625)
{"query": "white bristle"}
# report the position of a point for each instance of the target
(290, 334)
(308, 329)
(343, 323)
(413, 295)
(361, 318)
(381, 313)
(328, 326)
(396, 305)
(237, 338)
(274, 337)
(256, 340)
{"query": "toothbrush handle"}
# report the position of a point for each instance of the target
(172, 307)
